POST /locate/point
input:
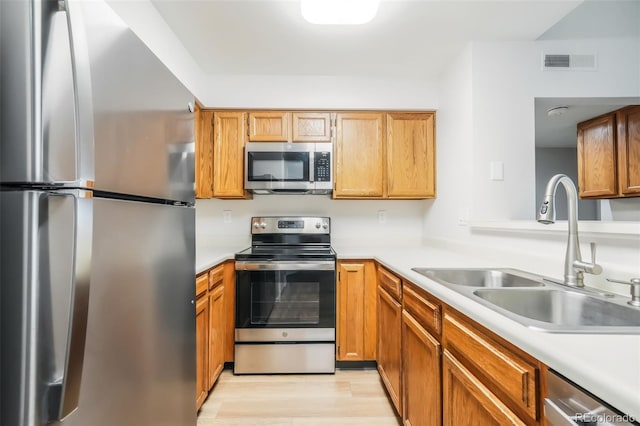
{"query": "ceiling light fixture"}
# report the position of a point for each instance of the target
(555, 111)
(339, 12)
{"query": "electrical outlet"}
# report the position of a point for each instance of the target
(382, 216)
(226, 216)
(463, 217)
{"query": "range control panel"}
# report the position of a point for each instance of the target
(290, 225)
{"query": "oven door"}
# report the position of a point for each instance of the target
(293, 295)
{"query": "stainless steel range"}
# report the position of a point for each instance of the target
(286, 297)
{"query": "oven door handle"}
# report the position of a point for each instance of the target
(315, 265)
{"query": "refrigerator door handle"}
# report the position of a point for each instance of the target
(64, 393)
(82, 93)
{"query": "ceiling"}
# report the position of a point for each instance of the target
(408, 38)
(561, 131)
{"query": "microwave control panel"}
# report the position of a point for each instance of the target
(322, 167)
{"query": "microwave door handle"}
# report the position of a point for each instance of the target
(312, 166)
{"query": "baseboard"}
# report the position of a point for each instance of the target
(356, 365)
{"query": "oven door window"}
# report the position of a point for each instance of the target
(278, 166)
(285, 302)
(278, 299)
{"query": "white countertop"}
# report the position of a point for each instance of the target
(212, 256)
(606, 365)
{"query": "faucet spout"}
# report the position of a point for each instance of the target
(574, 266)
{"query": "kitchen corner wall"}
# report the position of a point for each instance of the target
(354, 223)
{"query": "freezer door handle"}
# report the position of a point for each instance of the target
(64, 394)
(82, 93)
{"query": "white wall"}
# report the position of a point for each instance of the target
(505, 79)
(353, 222)
(454, 151)
(322, 92)
(148, 24)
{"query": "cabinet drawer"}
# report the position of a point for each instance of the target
(390, 282)
(202, 283)
(505, 371)
(428, 313)
(216, 275)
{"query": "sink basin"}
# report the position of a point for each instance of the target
(481, 277)
(562, 310)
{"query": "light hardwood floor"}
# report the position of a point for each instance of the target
(346, 398)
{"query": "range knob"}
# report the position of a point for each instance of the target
(317, 225)
(263, 225)
(325, 226)
(256, 225)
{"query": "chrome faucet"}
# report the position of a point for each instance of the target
(574, 266)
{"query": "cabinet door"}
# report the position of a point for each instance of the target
(230, 309)
(202, 349)
(597, 157)
(204, 152)
(216, 334)
(467, 402)
(389, 346)
(359, 152)
(311, 127)
(356, 311)
(629, 150)
(420, 375)
(411, 155)
(269, 126)
(228, 154)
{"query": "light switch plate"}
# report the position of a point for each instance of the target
(226, 216)
(496, 170)
(382, 216)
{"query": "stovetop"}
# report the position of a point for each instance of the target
(289, 238)
(286, 252)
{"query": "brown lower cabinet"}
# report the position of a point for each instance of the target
(202, 352)
(441, 368)
(356, 310)
(389, 345)
(212, 326)
(421, 355)
(468, 402)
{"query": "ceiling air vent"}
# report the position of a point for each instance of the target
(569, 62)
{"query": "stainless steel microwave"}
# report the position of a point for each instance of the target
(288, 168)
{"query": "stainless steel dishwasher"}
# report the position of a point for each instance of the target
(568, 405)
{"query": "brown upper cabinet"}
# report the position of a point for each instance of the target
(597, 172)
(609, 155)
(269, 126)
(204, 152)
(359, 155)
(311, 126)
(411, 155)
(280, 126)
(228, 154)
(377, 154)
(629, 151)
(382, 155)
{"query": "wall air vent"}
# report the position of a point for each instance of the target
(568, 62)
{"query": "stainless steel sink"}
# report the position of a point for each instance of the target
(562, 310)
(493, 278)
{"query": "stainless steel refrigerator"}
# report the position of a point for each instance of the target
(97, 224)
